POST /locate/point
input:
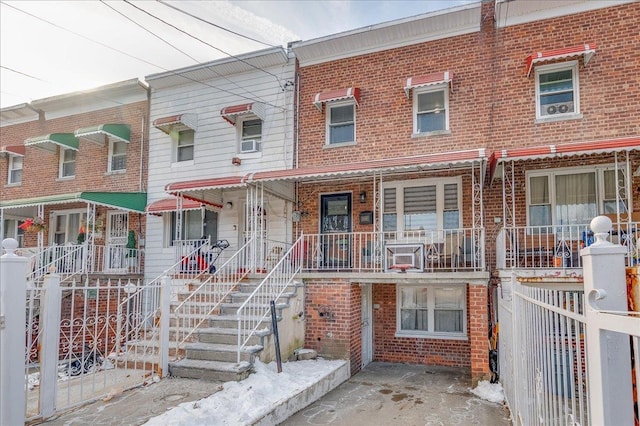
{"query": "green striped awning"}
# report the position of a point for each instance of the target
(52, 141)
(132, 201)
(99, 134)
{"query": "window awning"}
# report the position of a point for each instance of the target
(177, 122)
(52, 141)
(170, 204)
(585, 50)
(99, 134)
(231, 113)
(132, 201)
(337, 95)
(559, 150)
(434, 79)
(17, 150)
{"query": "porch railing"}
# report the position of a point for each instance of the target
(558, 247)
(256, 308)
(205, 300)
(460, 249)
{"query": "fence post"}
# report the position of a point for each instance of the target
(165, 316)
(49, 344)
(13, 288)
(609, 384)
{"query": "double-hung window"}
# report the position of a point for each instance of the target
(341, 122)
(15, 169)
(194, 226)
(557, 90)
(251, 135)
(117, 156)
(431, 110)
(67, 163)
(185, 145)
(431, 311)
(574, 196)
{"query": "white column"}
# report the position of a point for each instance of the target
(49, 344)
(13, 287)
(609, 384)
(165, 316)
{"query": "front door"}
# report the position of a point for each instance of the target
(367, 325)
(115, 259)
(335, 227)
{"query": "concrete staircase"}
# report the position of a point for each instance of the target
(213, 354)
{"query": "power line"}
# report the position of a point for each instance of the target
(212, 24)
(22, 73)
(204, 42)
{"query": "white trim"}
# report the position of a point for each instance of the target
(10, 168)
(441, 87)
(61, 163)
(112, 142)
(563, 66)
(334, 104)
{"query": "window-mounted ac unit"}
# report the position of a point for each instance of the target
(250, 145)
(559, 108)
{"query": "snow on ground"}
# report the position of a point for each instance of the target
(237, 403)
(490, 391)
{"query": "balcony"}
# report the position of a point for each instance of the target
(558, 247)
(445, 250)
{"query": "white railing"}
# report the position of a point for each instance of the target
(205, 300)
(256, 308)
(426, 251)
(558, 247)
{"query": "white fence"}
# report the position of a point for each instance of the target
(568, 357)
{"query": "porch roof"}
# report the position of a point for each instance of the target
(170, 204)
(561, 150)
(201, 184)
(131, 201)
(367, 168)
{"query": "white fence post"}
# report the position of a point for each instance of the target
(49, 344)
(610, 393)
(165, 315)
(13, 288)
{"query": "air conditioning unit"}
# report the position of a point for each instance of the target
(558, 108)
(250, 145)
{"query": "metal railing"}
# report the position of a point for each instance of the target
(558, 247)
(205, 300)
(256, 308)
(424, 251)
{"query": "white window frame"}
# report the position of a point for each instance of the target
(551, 174)
(13, 170)
(444, 87)
(564, 66)
(241, 138)
(439, 183)
(70, 235)
(329, 125)
(11, 229)
(61, 174)
(112, 156)
(430, 332)
(177, 146)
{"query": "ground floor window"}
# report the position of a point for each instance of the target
(12, 230)
(432, 311)
(65, 226)
(195, 225)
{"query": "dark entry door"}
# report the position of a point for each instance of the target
(335, 227)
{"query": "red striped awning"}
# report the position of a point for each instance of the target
(231, 113)
(567, 149)
(337, 95)
(177, 122)
(444, 77)
(202, 184)
(586, 50)
(18, 150)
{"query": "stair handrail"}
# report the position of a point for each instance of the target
(210, 295)
(68, 265)
(257, 306)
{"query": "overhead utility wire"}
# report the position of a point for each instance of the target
(135, 57)
(178, 49)
(208, 44)
(212, 24)
(22, 73)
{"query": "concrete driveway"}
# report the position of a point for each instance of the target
(402, 394)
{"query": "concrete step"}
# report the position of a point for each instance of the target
(240, 297)
(232, 308)
(230, 321)
(228, 336)
(220, 352)
(210, 370)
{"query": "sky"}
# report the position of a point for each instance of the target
(54, 47)
(246, 401)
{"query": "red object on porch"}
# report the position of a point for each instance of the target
(402, 267)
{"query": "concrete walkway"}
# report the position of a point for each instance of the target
(381, 394)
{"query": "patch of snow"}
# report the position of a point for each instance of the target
(235, 403)
(489, 391)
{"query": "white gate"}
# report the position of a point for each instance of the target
(116, 242)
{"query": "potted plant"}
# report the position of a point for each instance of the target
(132, 249)
(33, 225)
